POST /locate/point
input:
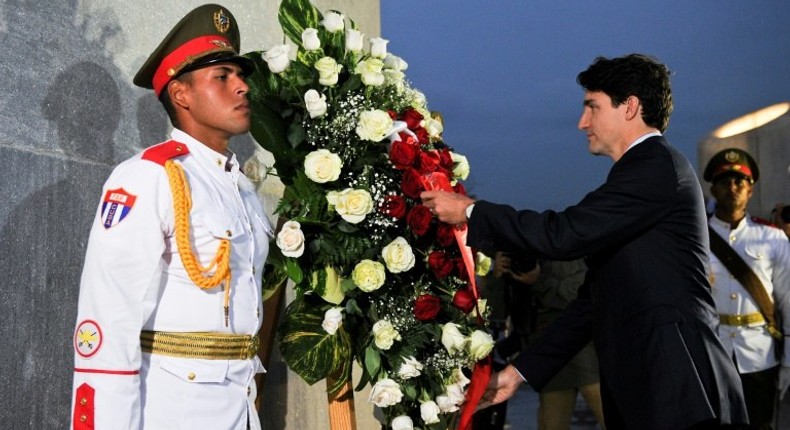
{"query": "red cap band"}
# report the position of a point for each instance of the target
(186, 54)
(737, 168)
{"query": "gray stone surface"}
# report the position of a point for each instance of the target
(68, 114)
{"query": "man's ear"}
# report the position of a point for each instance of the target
(177, 91)
(633, 106)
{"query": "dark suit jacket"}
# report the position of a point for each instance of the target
(646, 303)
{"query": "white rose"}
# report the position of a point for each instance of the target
(322, 166)
(385, 392)
(402, 422)
(384, 334)
(398, 256)
(255, 169)
(378, 47)
(446, 404)
(460, 166)
(368, 275)
(277, 58)
(482, 262)
(315, 103)
(333, 318)
(352, 205)
(394, 78)
(418, 100)
(333, 22)
(290, 239)
(452, 339)
(310, 39)
(456, 393)
(459, 378)
(370, 69)
(395, 63)
(481, 307)
(354, 39)
(328, 71)
(480, 345)
(374, 125)
(410, 368)
(429, 412)
(433, 127)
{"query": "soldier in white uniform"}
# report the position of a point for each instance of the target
(761, 356)
(170, 298)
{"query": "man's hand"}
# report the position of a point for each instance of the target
(448, 207)
(501, 387)
(777, 219)
(784, 381)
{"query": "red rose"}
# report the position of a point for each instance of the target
(394, 206)
(412, 118)
(445, 159)
(445, 234)
(404, 152)
(459, 188)
(440, 264)
(426, 307)
(392, 114)
(464, 300)
(419, 219)
(429, 161)
(422, 135)
(411, 184)
(462, 273)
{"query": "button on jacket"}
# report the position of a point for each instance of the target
(766, 251)
(134, 280)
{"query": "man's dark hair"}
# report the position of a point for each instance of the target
(164, 98)
(633, 75)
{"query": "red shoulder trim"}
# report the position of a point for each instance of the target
(83, 408)
(162, 152)
(763, 221)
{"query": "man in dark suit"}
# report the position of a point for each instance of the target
(646, 302)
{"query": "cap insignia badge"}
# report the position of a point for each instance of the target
(221, 21)
(731, 156)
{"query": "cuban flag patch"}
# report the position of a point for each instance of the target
(116, 206)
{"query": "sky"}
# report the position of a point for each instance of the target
(503, 74)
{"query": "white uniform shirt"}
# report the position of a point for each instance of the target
(767, 252)
(134, 280)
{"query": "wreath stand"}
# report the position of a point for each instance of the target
(340, 404)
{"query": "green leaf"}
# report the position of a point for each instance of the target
(307, 348)
(372, 361)
(326, 283)
(295, 16)
(294, 270)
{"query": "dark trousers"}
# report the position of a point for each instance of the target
(759, 391)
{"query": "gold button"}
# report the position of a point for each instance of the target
(733, 296)
(83, 401)
(733, 334)
(191, 376)
(219, 162)
(248, 391)
(171, 71)
(253, 270)
(83, 418)
(229, 233)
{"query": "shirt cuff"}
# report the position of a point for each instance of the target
(469, 210)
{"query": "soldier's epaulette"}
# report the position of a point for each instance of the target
(763, 221)
(162, 152)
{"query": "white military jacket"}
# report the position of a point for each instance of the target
(767, 252)
(134, 280)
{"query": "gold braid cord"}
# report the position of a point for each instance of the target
(182, 205)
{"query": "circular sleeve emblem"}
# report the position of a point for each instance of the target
(87, 338)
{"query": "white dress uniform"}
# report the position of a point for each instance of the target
(134, 280)
(767, 252)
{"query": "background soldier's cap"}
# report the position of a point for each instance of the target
(732, 160)
(207, 35)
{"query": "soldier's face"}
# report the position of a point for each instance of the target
(218, 100)
(732, 192)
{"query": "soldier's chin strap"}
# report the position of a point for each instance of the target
(200, 275)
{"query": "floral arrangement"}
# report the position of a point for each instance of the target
(377, 278)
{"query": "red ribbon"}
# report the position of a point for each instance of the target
(482, 370)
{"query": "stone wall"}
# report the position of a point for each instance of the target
(68, 114)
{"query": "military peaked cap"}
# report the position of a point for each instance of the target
(209, 34)
(732, 160)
